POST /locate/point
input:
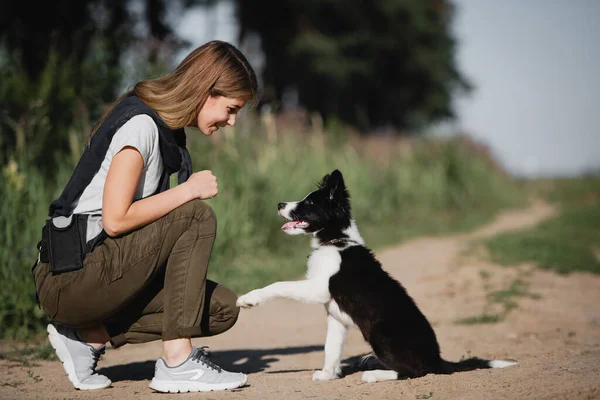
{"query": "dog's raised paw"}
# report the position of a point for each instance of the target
(324, 376)
(248, 300)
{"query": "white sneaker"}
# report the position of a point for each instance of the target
(79, 358)
(196, 374)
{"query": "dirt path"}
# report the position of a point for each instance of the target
(556, 337)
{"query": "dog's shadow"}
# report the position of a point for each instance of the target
(247, 361)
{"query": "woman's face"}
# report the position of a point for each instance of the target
(218, 111)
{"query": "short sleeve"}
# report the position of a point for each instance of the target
(140, 132)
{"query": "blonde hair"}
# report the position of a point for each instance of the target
(216, 68)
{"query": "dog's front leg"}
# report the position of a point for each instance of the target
(334, 345)
(306, 291)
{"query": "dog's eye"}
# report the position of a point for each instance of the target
(309, 202)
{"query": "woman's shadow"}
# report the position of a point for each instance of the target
(246, 361)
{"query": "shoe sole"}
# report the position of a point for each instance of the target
(189, 386)
(65, 357)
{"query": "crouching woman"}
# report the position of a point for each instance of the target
(124, 258)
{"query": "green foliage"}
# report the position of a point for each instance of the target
(372, 64)
(57, 76)
(24, 199)
(45, 116)
(387, 63)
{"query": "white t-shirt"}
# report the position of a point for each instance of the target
(140, 132)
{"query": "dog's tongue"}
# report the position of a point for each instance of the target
(290, 225)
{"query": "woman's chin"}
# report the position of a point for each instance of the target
(208, 131)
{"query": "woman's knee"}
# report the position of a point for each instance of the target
(204, 212)
(223, 310)
(200, 213)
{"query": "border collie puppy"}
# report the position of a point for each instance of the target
(344, 275)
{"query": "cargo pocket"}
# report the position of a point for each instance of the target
(48, 291)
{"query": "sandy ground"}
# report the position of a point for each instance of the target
(555, 336)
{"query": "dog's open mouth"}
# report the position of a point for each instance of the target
(295, 224)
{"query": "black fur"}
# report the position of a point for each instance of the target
(388, 318)
(379, 305)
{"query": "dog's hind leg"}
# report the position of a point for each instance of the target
(379, 375)
(369, 362)
(334, 346)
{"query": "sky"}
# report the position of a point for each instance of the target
(534, 65)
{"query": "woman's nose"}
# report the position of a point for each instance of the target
(231, 120)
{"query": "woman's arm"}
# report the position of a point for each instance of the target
(120, 214)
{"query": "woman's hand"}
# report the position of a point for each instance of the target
(202, 185)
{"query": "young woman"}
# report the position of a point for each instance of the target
(146, 246)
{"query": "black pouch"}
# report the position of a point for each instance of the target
(63, 238)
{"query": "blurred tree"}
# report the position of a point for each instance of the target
(374, 64)
(379, 63)
(54, 68)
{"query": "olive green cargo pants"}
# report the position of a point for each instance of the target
(146, 285)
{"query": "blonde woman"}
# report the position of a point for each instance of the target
(123, 257)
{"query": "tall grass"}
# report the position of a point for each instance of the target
(24, 200)
(439, 186)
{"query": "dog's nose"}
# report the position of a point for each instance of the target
(280, 206)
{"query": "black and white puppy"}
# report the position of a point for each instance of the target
(344, 275)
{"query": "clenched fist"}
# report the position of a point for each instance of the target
(203, 185)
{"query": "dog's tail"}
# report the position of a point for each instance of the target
(448, 367)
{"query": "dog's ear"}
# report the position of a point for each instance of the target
(337, 175)
(336, 185)
(324, 181)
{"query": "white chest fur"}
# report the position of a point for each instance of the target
(323, 263)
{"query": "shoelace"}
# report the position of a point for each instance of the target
(203, 357)
(96, 354)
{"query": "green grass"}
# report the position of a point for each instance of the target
(440, 186)
(506, 298)
(24, 200)
(483, 318)
(27, 356)
(517, 288)
(566, 243)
